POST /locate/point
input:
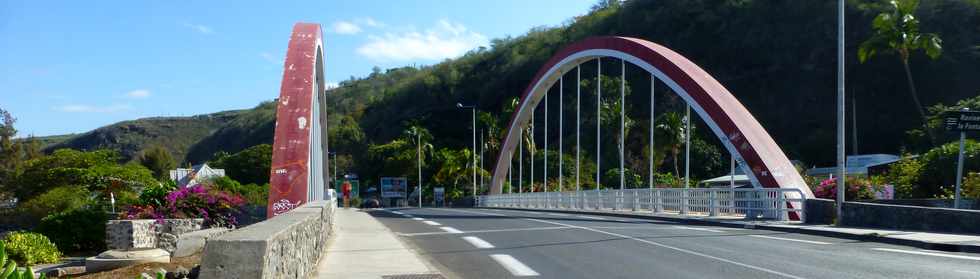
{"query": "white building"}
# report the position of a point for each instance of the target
(194, 175)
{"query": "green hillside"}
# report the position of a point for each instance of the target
(176, 134)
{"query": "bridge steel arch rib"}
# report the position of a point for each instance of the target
(743, 136)
(298, 158)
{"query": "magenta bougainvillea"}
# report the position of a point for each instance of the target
(856, 189)
(218, 208)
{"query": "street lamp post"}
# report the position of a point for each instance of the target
(840, 111)
(473, 151)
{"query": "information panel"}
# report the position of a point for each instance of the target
(393, 187)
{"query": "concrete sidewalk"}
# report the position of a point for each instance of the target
(362, 247)
(924, 240)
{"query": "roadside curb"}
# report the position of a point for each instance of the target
(948, 247)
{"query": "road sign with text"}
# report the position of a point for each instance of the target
(961, 121)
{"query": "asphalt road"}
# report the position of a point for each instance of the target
(486, 243)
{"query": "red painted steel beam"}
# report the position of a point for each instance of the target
(291, 153)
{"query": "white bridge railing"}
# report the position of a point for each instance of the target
(767, 203)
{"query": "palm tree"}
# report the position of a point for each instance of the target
(669, 132)
(898, 31)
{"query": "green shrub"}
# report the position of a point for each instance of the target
(78, 230)
(27, 248)
(156, 195)
(904, 175)
(939, 167)
(8, 268)
(58, 199)
(355, 202)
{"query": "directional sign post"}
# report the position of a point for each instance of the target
(961, 121)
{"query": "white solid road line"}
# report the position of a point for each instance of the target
(451, 230)
(928, 254)
(790, 239)
(513, 265)
(557, 214)
(432, 223)
(408, 216)
(592, 217)
(479, 243)
(489, 231)
(698, 229)
(682, 250)
(398, 212)
(418, 219)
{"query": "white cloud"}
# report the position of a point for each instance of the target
(199, 28)
(370, 22)
(138, 94)
(346, 27)
(445, 40)
(330, 85)
(271, 58)
(93, 109)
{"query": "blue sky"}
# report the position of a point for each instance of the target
(72, 66)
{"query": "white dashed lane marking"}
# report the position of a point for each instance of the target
(431, 223)
(477, 242)
(451, 230)
(418, 219)
(698, 229)
(790, 239)
(514, 266)
(927, 254)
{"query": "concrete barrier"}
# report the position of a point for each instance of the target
(820, 211)
(913, 218)
(287, 246)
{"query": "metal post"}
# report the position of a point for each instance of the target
(483, 146)
(598, 122)
(653, 81)
(510, 175)
(520, 162)
(731, 176)
(334, 163)
(687, 148)
(622, 130)
(533, 150)
(578, 128)
(561, 130)
(419, 156)
(474, 152)
(545, 178)
(959, 171)
(840, 111)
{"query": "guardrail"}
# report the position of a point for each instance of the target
(766, 203)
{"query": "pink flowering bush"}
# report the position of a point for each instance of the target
(217, 208)
(857, 189)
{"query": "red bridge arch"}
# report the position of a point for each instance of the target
(743, 136)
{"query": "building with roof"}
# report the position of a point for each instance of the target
(194, 175)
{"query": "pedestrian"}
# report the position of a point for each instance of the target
(345, 188)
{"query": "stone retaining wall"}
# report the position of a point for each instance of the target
(913, 218)
(820, 211)
(287, 246)
(894, 217)
(148, 233)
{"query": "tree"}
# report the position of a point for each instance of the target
(9, 152)
(159, 161)
(898, 31)
(669, 131)
(251, 165)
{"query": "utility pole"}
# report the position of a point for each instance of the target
(840, 112)
(418, 142)
(473, 150)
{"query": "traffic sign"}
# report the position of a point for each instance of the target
(962, 121)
